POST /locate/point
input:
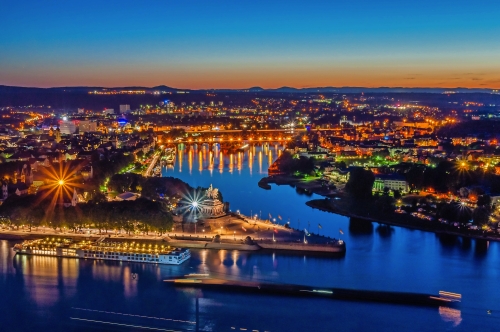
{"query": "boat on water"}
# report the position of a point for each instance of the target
(103, 250)
(443, 299)
(242, 148)
(169, 159)
(169, 156)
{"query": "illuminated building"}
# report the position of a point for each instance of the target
(85, 126)
(124, 108)
(393, 182)
(67, 127)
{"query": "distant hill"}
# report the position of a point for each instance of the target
(475, 128)
(284, 89)
(72, 97)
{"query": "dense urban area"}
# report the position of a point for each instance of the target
(81, 159)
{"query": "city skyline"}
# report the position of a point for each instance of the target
(245, 44)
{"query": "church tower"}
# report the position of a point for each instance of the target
(74, 200)
(5, 190)
(58, 135)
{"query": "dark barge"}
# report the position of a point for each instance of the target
(441, 299)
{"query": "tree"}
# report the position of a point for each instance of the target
(360, 183)
(415, 177)
(414, 203)
(385, 203)
(176, 133)
(382, 154)
(463, 214)
(446, 211)
(305, 165)
(341, 165)
(484, 200)
(397, 194)
(480, 216)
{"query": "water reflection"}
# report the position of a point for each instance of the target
(451, 315)
(129, 282)
(481, 248)
(385, 231)
(47, 278)
(448, 240)
(53, 283)
(302, 191)
(213, 157)
(399, 260)
(360, 227)
(466, 243)
(450, 243)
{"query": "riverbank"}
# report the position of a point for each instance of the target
(400, 220)
(284, 243)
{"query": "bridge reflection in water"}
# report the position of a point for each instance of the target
(212, 157)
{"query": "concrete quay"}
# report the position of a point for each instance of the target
(226, 244)
(237, 231)
(209, 241)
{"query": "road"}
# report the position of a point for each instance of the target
(152, 165)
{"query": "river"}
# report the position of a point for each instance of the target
(69, 294)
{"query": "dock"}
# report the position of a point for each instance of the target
(442, 299)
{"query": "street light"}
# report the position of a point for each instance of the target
(61, 182)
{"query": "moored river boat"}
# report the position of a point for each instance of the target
(104, 250)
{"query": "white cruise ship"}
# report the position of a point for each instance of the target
(104, 250)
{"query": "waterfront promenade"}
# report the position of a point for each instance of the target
(237, 232)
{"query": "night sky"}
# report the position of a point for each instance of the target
(240, 44)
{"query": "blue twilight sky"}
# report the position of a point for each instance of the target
(238, 44)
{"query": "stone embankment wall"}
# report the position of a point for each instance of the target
(302, 247)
